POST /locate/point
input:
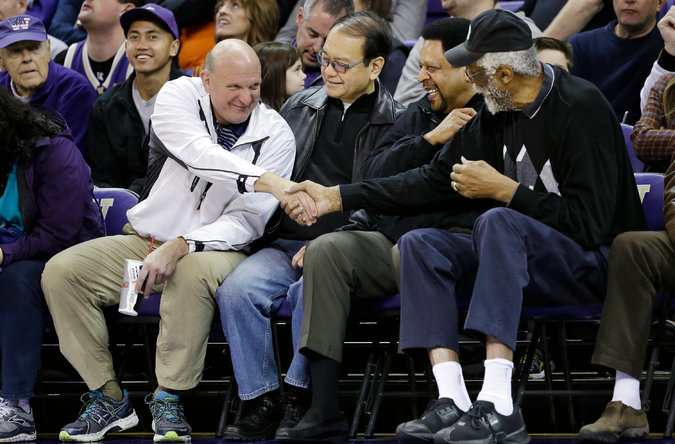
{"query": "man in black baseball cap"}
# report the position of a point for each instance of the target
(495, 36)
(542, 181)
(496, 30)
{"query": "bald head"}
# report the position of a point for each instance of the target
(232, 78)
(232, 53)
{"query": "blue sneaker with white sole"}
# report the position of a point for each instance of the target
(16, 424)
(99, 416)
(168, 418)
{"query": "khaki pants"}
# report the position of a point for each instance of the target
(337, 267)
(80, 280)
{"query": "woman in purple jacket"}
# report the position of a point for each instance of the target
(46, 205)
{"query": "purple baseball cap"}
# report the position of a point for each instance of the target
(151, 12)
(21, 28)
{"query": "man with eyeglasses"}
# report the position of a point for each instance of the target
(335, 126)
(540, 184)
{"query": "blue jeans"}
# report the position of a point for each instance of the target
(247, 299)
(21, 318)
(511, 259)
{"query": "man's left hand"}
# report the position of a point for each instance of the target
(478, 179)
(161, 263)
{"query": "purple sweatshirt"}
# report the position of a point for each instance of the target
(56, 201)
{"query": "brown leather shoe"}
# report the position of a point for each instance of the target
(618, 421)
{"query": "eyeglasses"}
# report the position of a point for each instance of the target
(470, 77)
(337, 66)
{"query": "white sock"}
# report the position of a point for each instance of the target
(450, 381)
(627, 390)
(497, 385)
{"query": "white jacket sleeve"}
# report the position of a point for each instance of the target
(176, 121)
(655, 74)
(244, 218)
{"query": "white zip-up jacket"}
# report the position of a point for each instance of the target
(223, 218)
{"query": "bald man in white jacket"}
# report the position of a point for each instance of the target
(201, 215)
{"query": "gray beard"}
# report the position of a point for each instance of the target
(496, 100)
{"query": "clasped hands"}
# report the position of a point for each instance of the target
(304, 202)
(476, 179)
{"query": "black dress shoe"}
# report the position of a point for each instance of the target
(312, 429)
(293, 413)
(260, 424)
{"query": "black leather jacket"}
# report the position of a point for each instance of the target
(305, 111)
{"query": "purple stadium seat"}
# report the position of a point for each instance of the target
(637, 165)
(114, 203)
(650, 187)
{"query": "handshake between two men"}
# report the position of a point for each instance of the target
(305, 202)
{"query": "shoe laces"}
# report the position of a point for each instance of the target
(293, 410)
(95, 404)
(258, 413)
(169, 409)
(6, 408)
(477, 414)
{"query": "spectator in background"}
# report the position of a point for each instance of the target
(101, 57)
(195, 21)
(408, 90)
(42, 9)
(554, 52)
(665, 63)
(617, 58)
(46, 205)
(407, 19)
(282, 74)
(10, 8)
(65, 25)
(653, 135)
(32, 77)
(120, 120)
(399, 51)
(561, 19)
(313, 21)
(253, 21)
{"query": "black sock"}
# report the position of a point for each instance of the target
(325, 374)
(303, 395)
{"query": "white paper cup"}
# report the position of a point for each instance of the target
(129, 300)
